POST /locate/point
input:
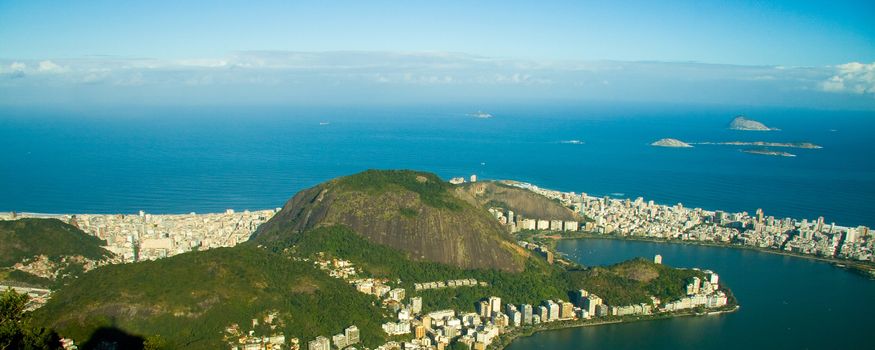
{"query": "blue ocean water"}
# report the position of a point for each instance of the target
(786, 303)
(206, 159)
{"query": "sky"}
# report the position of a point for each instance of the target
(796, 53)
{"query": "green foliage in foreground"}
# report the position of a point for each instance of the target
(432, 191)
(190, 298)
(16, 331)
(25, 238)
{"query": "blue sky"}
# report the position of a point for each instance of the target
(811, 46)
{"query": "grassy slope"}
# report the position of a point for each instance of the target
(190, 298)
(25, 238)
(431, 189)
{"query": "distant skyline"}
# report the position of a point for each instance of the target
(785, 53)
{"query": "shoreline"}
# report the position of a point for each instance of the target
(854, 266)
(507, 339)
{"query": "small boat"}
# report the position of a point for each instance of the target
(481, 115)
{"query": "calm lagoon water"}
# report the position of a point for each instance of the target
(786, 303)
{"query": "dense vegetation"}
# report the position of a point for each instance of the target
(431, 189)
(188, 299)
(634, 281)
(21, 278)
(26, 238)
(16, 329)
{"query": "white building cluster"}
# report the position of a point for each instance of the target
(640, 218)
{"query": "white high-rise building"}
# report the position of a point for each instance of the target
(495, 304)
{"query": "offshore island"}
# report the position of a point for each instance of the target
(669, 142)
(744, 124)
(768, 152)
(385, 260)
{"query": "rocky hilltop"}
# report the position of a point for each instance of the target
(414, 212)
(525, 203)
(742, 123)
(667, 142)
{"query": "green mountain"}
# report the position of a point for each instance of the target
(414, 212)
(65, 246)
(401, 226)
(26, 238)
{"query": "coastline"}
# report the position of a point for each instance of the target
(857, 267)
(507, 339)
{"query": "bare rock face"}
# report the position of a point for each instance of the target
(522, 202)
(742, 123)
(414, 212)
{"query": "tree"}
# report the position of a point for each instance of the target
(15, 329)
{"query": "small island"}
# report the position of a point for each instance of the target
(744, 124)
(768, 152)
(805, 145)
(571, 142)
(481, 115)
(669, 142)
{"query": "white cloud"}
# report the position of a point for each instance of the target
(301, 73)
(49, 67)
(854, 77)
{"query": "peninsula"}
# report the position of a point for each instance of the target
(744, 124)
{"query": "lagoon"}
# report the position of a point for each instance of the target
(786, 303)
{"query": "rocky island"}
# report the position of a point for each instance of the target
(768, 152)
(669, 142)
(805, 145)
(742, 123)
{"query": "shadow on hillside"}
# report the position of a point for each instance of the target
(109, 338)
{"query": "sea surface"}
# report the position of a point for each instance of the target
(207, 159)
(786, 303)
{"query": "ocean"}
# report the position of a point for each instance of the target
(207, 159)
